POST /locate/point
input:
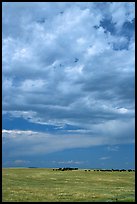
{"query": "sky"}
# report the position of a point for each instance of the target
(68, 84)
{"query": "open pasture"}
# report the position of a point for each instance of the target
(46, 185)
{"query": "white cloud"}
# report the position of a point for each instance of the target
(72, 162)
(21, 162)
(122, 12)
(113, 148)
(44, 83)
(30, 142)
(104, 158)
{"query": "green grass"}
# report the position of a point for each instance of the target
(46, 185)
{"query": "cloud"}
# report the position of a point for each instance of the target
(113, 148)
(122, 12)
(69, 162)
(21, 162)
(19, 142)
(104, 158)
(30, 143)
(45, 84)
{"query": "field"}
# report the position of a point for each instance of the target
(43, 185)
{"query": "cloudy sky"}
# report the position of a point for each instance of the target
(68, 94)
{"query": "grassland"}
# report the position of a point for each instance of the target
(46, 185)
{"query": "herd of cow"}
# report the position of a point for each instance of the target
(65, 169)
(109, 170)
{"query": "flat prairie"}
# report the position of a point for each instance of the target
(46, 185)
